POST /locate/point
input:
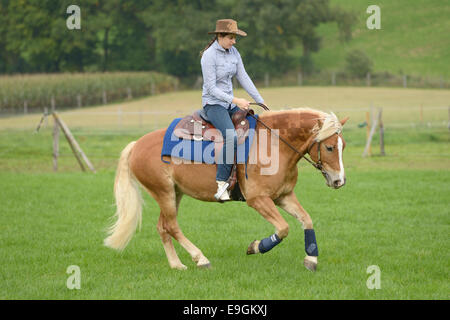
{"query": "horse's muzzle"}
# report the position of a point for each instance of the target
(333, 183)
(339, 183)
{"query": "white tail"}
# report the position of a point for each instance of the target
(128, 203)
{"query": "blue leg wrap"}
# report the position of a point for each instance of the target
(310, 243)
(268, 243)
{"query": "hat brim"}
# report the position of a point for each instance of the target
(239, 32)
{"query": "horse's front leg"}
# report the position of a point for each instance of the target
(290, 204)
(265, 206)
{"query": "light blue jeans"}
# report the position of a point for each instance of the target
(220, 117)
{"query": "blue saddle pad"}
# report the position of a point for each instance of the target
(202, 151)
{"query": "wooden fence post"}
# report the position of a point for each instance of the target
(448, 124)
(405, 81)
(45, 118)
(380, 120)
(25, 107)
(55, 144)
(55, 135)
(369, 140)
(76, 149)
(300, 79)
(333, 78)
(105, 99)
(369, 150)
(266, 79)
(79, 100)
(129, 94)
(369, 79)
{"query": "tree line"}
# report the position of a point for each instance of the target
(160, 35)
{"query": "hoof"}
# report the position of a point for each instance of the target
(310, 263)
(179, 267)
(253, 247)
(202, 262)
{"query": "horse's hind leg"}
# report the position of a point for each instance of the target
(168, 225)
(166, 238)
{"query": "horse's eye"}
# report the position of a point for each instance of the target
(330, 149)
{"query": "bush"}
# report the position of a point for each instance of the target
(358, 64)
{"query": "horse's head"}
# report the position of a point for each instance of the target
(327, 150)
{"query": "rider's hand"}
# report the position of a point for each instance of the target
(242, 103)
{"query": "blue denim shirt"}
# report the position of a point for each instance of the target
(219, 66)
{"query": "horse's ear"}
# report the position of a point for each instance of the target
(343, 121)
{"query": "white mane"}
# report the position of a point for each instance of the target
(330, 123)
(330, 126)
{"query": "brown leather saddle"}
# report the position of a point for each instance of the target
(194, 127)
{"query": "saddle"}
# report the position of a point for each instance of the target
(195, 127)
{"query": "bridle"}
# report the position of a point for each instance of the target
(318, 165)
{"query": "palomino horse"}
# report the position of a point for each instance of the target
(314, 132)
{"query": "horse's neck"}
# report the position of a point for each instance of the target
(293, 126)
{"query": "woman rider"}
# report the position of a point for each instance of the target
(220, 62)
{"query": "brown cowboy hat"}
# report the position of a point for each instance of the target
(228, 26)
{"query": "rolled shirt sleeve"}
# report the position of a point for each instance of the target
(210, 79)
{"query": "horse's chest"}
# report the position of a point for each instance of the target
(289, 181)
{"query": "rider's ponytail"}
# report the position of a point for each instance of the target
(208, 45)
(212, 41)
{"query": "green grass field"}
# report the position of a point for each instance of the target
(398, 221)
(393, 213)
(412, 38)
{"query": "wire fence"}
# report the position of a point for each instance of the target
(102, 134)
(116, 121)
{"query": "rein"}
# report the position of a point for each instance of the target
(317, 165)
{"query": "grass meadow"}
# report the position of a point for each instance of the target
(411, 39)
(392, 213)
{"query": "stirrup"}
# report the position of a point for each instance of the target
(222, 193)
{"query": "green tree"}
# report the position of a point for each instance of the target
(35, 37)
(277, 26)
(162, 35)
(132, 47)
(179, 29)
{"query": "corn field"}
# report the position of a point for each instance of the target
(33, 93)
